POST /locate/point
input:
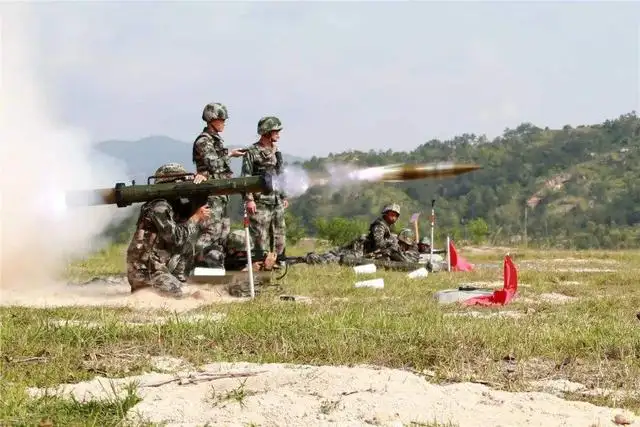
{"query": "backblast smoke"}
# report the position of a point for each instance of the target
(41, 159)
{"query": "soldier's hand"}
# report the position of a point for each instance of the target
(203, 213)
(251, 207)
(285, 203)
(199, 178)
(238, 152)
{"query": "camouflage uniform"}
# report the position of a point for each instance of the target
(381, 242)
(424, 245)
(408, 246)
(354, 249)
(267, 226)
(158, 243)
(212, 160)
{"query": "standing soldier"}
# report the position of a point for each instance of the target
(266, 212)
(212, 162)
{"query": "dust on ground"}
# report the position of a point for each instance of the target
(236, 394)
(111, 291)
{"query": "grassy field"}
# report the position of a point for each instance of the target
(592, 337)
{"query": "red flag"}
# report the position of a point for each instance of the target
(501, 296)
(458, 263)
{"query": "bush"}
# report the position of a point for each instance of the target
(340, 231)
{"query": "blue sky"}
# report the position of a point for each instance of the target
(380, 75)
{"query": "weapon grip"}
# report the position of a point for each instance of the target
(433, 202)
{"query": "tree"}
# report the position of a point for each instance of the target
(478, 229)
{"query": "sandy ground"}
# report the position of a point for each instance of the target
(110, 292)
(294, 395)
(297, 395)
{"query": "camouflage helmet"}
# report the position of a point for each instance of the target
(425, 241)
(236, 242)
(394, 207)
(406, 236)
(168, 169)
(268, 124)
(213, 111)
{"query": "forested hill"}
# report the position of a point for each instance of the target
(580, 186)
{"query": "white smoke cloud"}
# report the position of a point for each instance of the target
(295, 181)
(41, 159)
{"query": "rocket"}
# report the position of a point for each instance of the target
(402, 172)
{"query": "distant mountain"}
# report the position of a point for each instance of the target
(144, 156)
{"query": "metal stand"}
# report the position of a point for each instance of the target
(247, 238)
(433, 223)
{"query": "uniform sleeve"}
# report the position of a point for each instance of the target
(167, 228)
(208, 157)
(247, 170)
(378, 236)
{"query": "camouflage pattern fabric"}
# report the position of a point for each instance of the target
(268, 124)
(212, 160)
(267, 226)
(408, 246)
(380, 236)
(381, 243)
(156, 240)
(354, 249)
(214, 111)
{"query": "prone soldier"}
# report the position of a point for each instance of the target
(408, 246)
(160, 240)
(424, 246)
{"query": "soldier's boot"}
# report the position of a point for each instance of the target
(180, 271)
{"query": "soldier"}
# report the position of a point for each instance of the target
(212, 162)
(424, 246)
(380, 242)
(266, 212)
(408, 246)
(159, 239)
(354, 249)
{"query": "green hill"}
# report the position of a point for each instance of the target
(575, 187)
(580, 186)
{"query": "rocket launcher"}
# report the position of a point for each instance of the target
(123, 195)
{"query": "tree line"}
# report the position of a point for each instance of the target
(575, 187)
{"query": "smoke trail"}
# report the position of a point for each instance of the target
(41, 159)
(295, 181)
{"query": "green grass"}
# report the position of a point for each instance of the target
(594, 339)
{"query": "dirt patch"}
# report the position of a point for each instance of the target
(278, 394)
(556, 298)
(552, 298)
(112, 291)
